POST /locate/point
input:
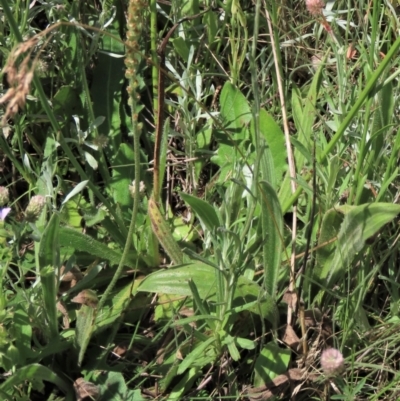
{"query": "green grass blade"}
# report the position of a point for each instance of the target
(367, 91)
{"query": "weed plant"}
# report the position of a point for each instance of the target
(199, 200)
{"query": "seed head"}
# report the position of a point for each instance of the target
(142, 188)
(34, 208)
(332, 361)
(4, 196)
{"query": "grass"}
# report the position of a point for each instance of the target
(198, 200)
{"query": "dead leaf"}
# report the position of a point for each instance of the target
(86, 297)
(274, 388)
(85, 389)
(69, 279)
(290, 298)
(312, 317)
(290, 338)
(351, 52)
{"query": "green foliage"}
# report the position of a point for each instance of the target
(185, 296)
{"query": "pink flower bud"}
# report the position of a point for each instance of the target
(315, 7)
(332, 361)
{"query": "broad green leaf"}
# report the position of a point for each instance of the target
(163, 153)
(181, 47)
(304, 112)
(236, 115)
(48, 279)
(70, 214)
(84, 329)
(66, 102)
(203, 141)
(91, 161)
(169, 369)
(118, 303)
(201, 306)
(163, 233)
(235, 111)
(112, 385)
(23, 333)
(80, 187)
(38, 373)
(210, 21)
(49, 247)
(272, 223)
(196, 357)
(391, 165)
(182, 231)
(330, 227)
(190, 7)
(272, 362)
(360, 223)
(229, 341)
(204, 211)
(245, 343)
(187, 381)
(175, 281)
(106, 90)
(123, 174)
(81, 242)
(275, 141)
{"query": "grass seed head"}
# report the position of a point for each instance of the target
(19, 78)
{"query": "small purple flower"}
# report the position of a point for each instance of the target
(4, 212)
(332, 361)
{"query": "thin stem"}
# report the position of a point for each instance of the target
(153, 48)
(136, 200)
(292, 166)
